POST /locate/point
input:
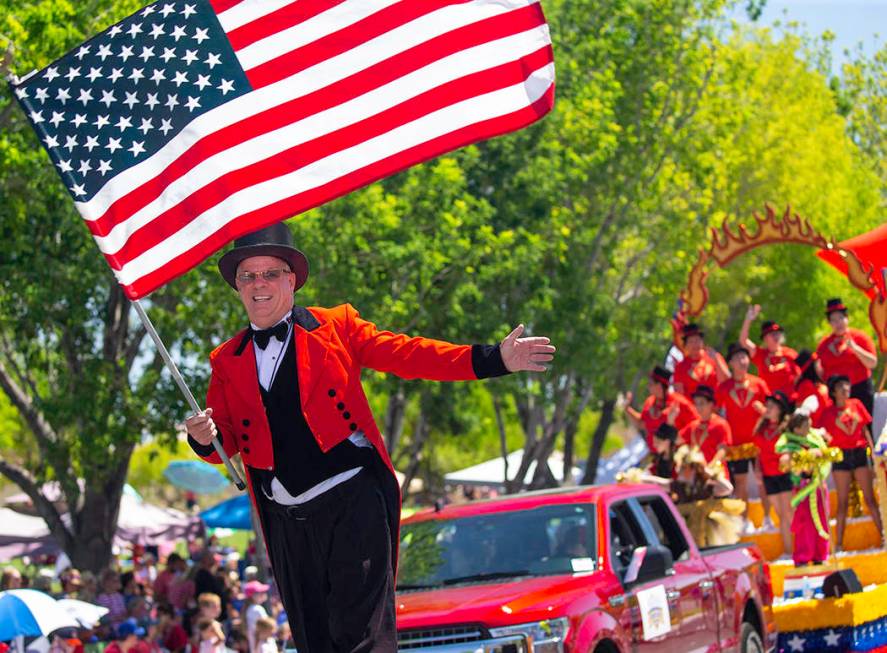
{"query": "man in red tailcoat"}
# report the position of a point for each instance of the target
(285, 394)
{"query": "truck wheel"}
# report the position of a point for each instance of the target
(750, 640)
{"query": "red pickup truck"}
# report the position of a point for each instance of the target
(586, 570)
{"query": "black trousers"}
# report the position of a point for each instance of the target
(331, 559)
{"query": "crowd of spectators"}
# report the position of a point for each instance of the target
(210, 600)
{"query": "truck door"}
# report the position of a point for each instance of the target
(699, 608)
(654, 608)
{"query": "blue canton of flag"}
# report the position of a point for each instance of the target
(118, 98)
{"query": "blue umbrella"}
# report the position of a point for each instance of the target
(232, 513)
(31, 613)
(195, 475)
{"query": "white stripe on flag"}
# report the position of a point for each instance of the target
(298, 85)
(311, 30)
(247, 11)
(464, 62)
(426, 128)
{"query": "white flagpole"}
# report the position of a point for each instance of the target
(189, 397)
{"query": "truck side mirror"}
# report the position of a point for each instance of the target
(648, 563)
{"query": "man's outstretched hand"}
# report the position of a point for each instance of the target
(526, 354)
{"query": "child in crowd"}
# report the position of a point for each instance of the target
(256, 594)
(777, 482)
(264, 631)
(211, 637)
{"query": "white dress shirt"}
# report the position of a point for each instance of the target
(267, 362)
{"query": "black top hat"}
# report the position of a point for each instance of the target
(661, 375)
(736, 348)
(770, 326)
(833, 305)
(666, 431)
(781, 399)
(277, 241)
(691, 329)
(705, 392)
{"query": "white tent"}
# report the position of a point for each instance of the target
(139, 522)
(492, 472)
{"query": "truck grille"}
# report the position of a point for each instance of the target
(414, 639)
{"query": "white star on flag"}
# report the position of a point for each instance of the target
(797, 643)
(137, 148)
(202, 82)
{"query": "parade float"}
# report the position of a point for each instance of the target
(815, 613)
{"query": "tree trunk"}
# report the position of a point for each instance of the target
(394, 414)
(597, 441)
(420, 435)
(503, 445)
(569, 448)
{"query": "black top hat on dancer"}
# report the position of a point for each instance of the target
(769, 326)
(691, 329)
(736, 348)
(835, 305)
(276, 241)
(661, 375)
(705, 392)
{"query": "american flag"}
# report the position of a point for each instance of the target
(191, 123)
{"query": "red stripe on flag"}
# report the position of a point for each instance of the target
(223, 5)
(345, 39)
(288, 161)
(299, 203)
(277, 21)
(322, 99)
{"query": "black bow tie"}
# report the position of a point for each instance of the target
(263, 336)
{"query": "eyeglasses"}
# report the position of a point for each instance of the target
(246, 278)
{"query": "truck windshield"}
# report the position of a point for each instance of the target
(497, 546)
